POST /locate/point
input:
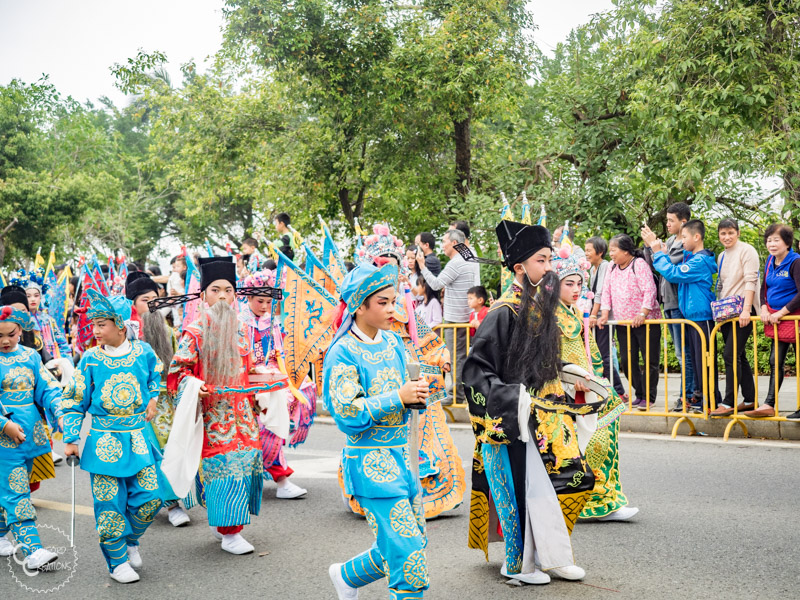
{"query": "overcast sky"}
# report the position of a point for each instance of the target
(75, 42)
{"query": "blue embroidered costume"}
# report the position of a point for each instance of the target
(115, 388)
(361, 382)
(26, 390)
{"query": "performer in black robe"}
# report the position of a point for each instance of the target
(528, 471)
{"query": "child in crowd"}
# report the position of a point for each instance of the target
(478, 301)
(26, 388)
(694, 277)
(117, 382)
(430, 309)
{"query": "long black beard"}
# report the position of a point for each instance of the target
(534, 352)
(158, 336)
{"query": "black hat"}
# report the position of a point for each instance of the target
(213, 268)
(138, 283)
(13, 294)
(519, 241)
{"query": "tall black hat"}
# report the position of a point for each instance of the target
(213, 268)
(13, 294)
(138, 283)
(519, 241)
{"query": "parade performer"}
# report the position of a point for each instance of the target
(264, 330)
(117, 383)
(141, 289)
(215, 349)
(51, 333)
(528, 470)
(607, 502)
(367, 391)
(26, 391)
(441, 471)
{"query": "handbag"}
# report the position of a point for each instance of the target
(726, 308)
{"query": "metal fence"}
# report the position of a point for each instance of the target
(709, 383)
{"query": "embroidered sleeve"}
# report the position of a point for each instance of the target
(75, 401)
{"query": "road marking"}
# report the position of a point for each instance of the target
(702, 439)
(80, 509)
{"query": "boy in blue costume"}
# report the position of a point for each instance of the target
(26, 388)
(367, 392)
(117, 382)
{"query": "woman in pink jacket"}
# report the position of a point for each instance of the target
(629, 294)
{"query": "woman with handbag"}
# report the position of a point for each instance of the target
(781, 294)
(736, 292)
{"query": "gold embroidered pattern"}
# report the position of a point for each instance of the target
(147, 478)
(345, 390)
(104, 487)
(24, 510)
(40, 437)
(148, 510)
(7, 442)
(138, 443)
(380, 466)
(373, 525)
(362, 350)
(118, 361)
(121, 394)
(18, 480)
(402, 519)
(415, 569)
(23, 357)
(109, 448)
(110, 524)
(18, 379)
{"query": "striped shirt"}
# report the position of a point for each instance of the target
(456, 278)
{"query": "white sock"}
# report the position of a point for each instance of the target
(283, 482)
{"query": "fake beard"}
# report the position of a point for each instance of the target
(156, 333)
(219, 351)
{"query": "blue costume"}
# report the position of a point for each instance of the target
(361, 382)
(119, 455)
(26, 389)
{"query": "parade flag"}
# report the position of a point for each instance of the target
(59, 305)
(89, 281)
(360, 233)
(330, 255)
(310, 312)
(506, 276)
(565, 242)
(192, 284)
(2, 280)
(526, 209)
(38, 262)
(97, 273)
(542, 218)
(51, 261)
(317, 271)
(123, 267)
(208, 248)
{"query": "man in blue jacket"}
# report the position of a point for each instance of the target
(695, 278)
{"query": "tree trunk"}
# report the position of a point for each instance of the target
(463, 154)
(347, 209)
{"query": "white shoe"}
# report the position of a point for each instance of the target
(57, 458)
(41, 558)
(6, 547)
(215, 532)
(177, 516)
(236, 544)
(134, 557)
(289, 491)
(623, 514)
(571, 572)
(536, 578)
(124, 573)
(344, 591)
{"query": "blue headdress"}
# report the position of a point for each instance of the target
(114, 308)
(358, 285)
(13, 315)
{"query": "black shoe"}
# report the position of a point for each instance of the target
(679, 406)
(795, 416)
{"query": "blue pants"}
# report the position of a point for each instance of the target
(682, 348)
(16, 511)
(124, 507)
(399, 549)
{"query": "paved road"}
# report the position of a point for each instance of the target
(717, 521)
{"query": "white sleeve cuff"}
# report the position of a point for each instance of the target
(524, 414)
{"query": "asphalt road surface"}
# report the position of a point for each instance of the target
(717, 520)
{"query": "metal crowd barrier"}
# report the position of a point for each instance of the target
(454, 366)
(709, 384)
